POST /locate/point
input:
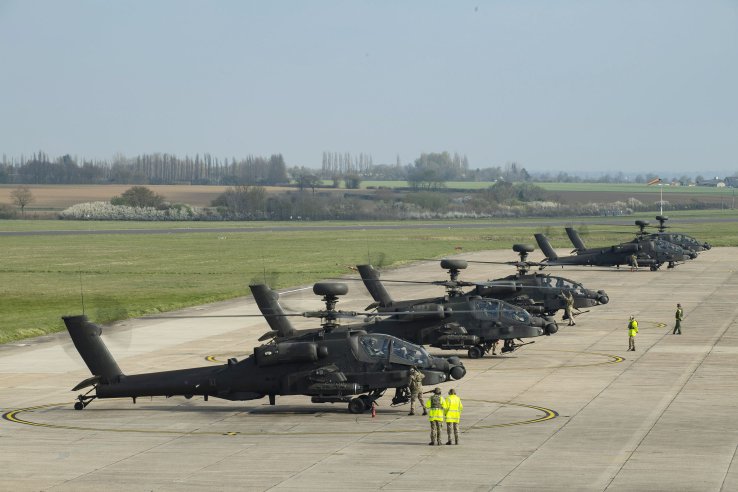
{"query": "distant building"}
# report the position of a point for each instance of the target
(716, 183)
(731, 181)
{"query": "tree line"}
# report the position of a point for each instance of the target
(146, 169)
(428, 172)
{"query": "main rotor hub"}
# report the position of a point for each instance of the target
(642, 224)
(522, 250)
(454, 268)
(662, 220)
(330, 292)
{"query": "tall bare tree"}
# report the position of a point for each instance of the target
(22, 196)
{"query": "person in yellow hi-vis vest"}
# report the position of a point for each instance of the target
(452, 410)
(435, 405)
(632, 330)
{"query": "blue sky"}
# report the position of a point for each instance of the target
(553, 85)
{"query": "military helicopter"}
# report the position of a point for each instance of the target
(652, 253)
(539, 293)
(328, 365)
(689, 244)
(458, 320)
(648, 253)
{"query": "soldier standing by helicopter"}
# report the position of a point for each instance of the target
(416, 390)
(568, 308)
(435, 405)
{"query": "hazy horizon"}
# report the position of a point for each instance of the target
(569, 86)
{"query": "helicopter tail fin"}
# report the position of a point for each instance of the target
(546, 247)
(268, 302)
(575, 239)
(370, 276)
(86, 338)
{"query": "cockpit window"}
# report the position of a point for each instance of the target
(486, 309)
(516, 314)
(403, 351)
(563, 283)
(376, 346)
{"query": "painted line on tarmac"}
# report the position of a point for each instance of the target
(612, 359)
(13, 416)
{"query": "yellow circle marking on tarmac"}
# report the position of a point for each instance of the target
(613, 359)
(13, 416)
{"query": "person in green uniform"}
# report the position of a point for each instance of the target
(679, 317)
(416, 390)
(569, 309)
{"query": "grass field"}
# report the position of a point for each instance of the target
(120, 276)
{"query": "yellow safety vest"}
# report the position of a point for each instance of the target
(435, 414)
(632, 328)
(453, 408)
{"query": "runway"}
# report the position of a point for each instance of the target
(573, 411)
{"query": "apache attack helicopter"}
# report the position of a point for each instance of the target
(648, 253)
(458, 320)
(689, 244)
(326, 364)
(539, 293)
(653, 253)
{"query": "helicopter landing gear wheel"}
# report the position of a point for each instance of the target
(84, 400)
(475, 352)
(356, 405)
(367, 401)
(654, 267)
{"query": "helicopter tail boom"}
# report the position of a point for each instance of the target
(268, 302)
(546, 247)
(575, 239)
(86, 338)
(370, 276)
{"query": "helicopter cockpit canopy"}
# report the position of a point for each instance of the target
(492, 310)
(375, 346)
(667, 247)
(563, 283)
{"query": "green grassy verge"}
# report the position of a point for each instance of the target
(121, 276)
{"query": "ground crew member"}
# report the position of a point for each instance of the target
(452, 411)
(435, 405)
(679, 317)
(632, 330)
(416, 390)
(569, 300)
(633, 263)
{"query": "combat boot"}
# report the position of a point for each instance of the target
(411, 412)
(448, 443)
(425, 412)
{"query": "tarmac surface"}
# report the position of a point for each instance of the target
(573, 411)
